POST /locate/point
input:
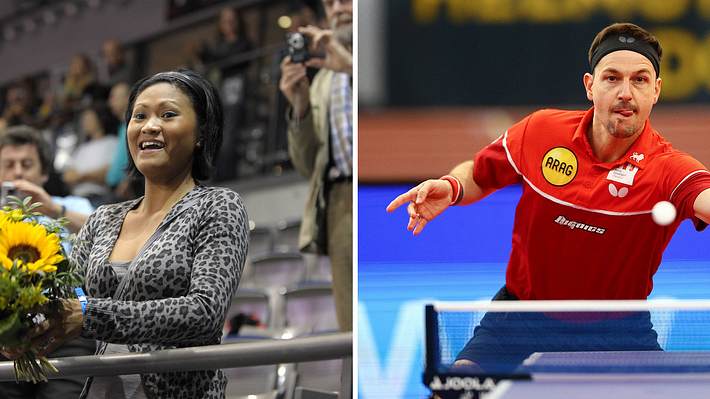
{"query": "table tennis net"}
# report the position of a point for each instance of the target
(505, 333)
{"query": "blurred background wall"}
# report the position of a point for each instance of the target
(506, 58)
(438, 80)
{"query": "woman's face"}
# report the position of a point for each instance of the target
(228, 21)
(162, 132)
(90, 124)
(78, 66)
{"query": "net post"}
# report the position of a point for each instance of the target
(433, 354)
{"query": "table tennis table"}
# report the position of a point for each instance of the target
(582, 375)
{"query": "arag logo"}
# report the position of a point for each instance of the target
(559, 166)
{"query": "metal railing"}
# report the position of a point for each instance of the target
(321, 347)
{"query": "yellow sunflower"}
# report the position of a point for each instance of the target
(30, 245)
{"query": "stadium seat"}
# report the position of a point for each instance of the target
(276, 270)
(261, 241)
(309, 307)
(253, 309)
(286, 236)
(317, 268)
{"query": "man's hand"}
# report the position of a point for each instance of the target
(71, 177)
(337, 57)
(426, 201)
(295, 87)
(38, 194)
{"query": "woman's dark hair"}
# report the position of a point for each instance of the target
(208, 108)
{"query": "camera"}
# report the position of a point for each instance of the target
(7, 189)
(297, 47)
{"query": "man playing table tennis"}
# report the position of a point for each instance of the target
(590, 178)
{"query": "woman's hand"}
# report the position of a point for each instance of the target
(60, 327)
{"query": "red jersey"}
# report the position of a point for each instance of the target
(583, 228)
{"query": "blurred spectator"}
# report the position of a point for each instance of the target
(320, 138)
(301, 15)
(86, 171)
(80, 87)
(118, 67)
(116, 177)
(18, 107)
(231, 41)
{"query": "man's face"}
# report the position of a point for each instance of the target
(624, 89)
(118, 100)
(21, 162)
(339, 13)
(112, 52)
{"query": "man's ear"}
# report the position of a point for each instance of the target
(657, 90)
(587, 80)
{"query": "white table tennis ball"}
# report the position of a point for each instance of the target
(663, 213)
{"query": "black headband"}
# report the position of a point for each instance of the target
(625, 42)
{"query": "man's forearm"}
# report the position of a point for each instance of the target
(76, 220)
(702, 206)
(471, 191)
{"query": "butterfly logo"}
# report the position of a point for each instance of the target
(621, 193)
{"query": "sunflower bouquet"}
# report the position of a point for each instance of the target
(34, 274)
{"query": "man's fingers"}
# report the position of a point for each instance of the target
(402, 199)
(412, 222)
(315, 62)
(285, 61)
(422, 193)
(309, 30)
(288, 81)
(413, 216)
(421, 222)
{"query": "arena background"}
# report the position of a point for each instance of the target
(438, 80)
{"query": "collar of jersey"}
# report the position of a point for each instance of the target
(642, 145)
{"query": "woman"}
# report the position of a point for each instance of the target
(232, 40)
(86, 171)
(160, 271)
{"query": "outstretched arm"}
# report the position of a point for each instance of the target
(702, 206)
(431, 197)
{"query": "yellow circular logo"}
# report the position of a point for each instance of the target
(559, 166)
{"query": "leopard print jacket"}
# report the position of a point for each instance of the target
(180, 286)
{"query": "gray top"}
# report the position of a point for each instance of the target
(177, 290)
(120, 268)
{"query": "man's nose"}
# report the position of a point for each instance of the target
(17, 172)
(339, 6)
(625, 91)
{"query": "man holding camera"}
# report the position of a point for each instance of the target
(25, 162)
(320, 135)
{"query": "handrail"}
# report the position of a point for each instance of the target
(320, 347)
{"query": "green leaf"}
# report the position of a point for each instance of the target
(9, 327)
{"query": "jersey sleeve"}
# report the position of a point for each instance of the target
(499, 164)
(686, 178)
